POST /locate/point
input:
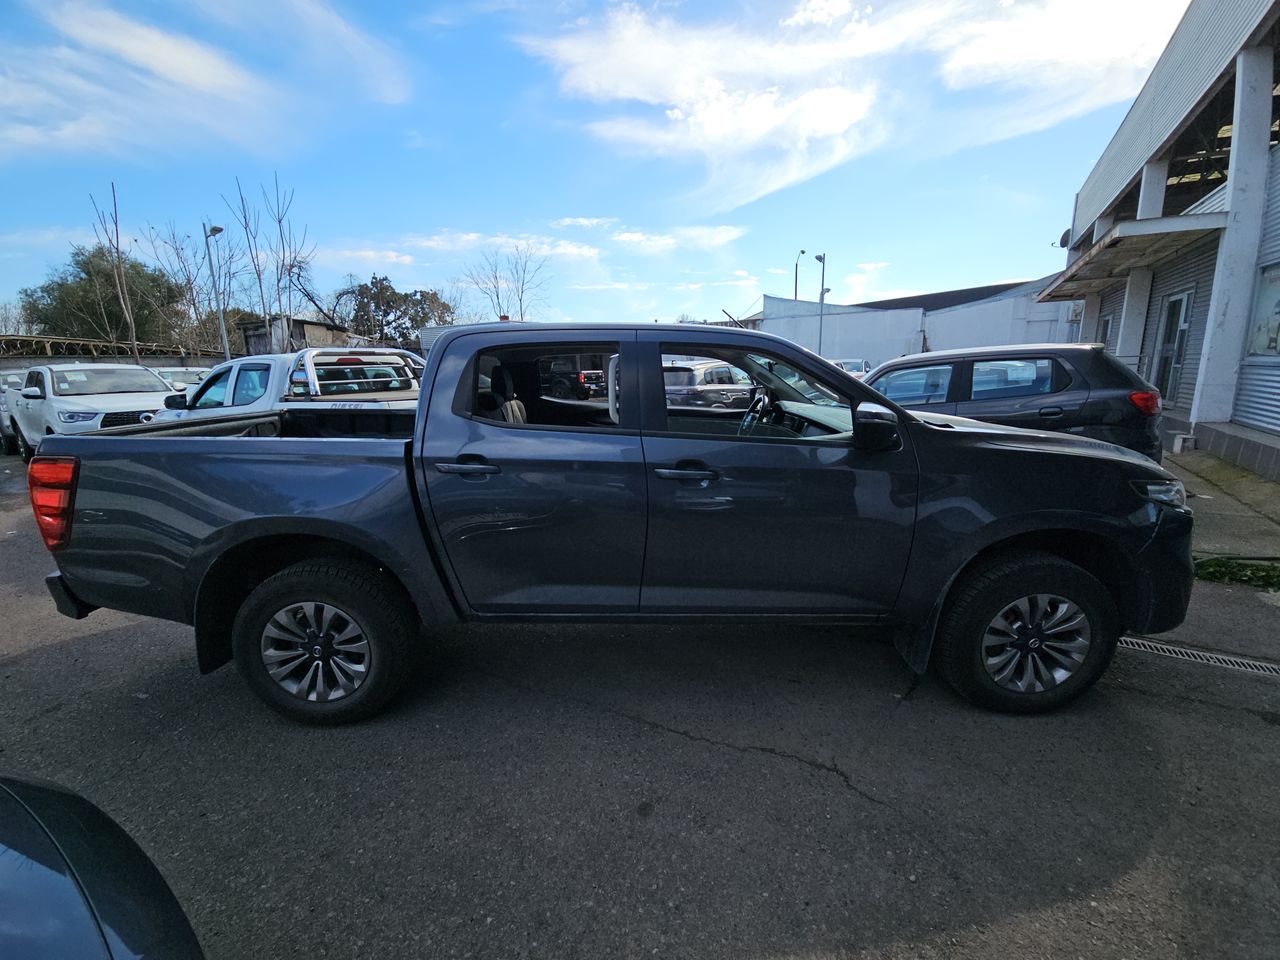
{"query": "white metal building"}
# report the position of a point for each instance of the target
(879, 331)
(1175, 240)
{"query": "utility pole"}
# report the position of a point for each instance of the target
(795, 288)
(822, 296)
(217, 294)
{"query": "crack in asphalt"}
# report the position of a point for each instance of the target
(832, 767)
(1266, 716)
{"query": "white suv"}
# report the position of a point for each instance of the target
(78, 397)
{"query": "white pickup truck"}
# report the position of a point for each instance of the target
(66, 398)
(356, 378)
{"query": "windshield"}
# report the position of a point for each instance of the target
(12, 381)
(184, 375)
(91, 381)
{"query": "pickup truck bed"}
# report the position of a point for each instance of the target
(315, 546)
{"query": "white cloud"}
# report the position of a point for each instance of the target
(377, 256)
(111, 81)
(455, 241)
(824, 12)
(587, 222)
(768, 105)
(695, 238)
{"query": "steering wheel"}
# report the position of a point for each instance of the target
(755, 413)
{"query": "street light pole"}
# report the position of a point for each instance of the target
(217, 294)
(822, 297)
(795, 289)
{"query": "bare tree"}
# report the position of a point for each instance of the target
(489, 277)
(107, 230)
(183, 258)
(513, 282)
(249, 220)
(525, 266)
(11, 321)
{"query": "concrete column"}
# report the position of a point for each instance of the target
(1133, 316)
(1102, 225)
(1089, 332)
(1236, 270)
(1155, 176)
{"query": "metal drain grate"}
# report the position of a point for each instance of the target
(1201, 656)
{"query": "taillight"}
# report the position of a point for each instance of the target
(1147, 402)
(52, 483)
(582, 377)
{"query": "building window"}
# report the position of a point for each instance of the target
(1264, 334)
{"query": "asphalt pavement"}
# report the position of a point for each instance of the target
(602, 792)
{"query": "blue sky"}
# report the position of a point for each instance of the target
(667, 157)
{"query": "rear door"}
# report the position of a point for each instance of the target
(816, 526)
(538, 500)
(1038, 393)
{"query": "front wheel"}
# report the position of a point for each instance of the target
(1026, 632)
(24, 449)
(9, 444)
(326, 641)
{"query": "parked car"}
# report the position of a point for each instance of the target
(180, 377)
(9, 380)
(859, 368)
(74, 885)
(1071, 388)
(78, 397)
(705, 383)
(320, 566)
(563, 380)
(332, 376)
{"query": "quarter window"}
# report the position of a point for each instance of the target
(999, 379)
(916, 386)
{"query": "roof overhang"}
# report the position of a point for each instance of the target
(1130, 244)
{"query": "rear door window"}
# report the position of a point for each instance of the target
(916, 386)
(1000, 379)
(251, 384)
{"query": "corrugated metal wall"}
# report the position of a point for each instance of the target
(1258, 394)
(1215, 201)
(1189, 272)
(1112, 302)
(1203, 46)
(1269, 248)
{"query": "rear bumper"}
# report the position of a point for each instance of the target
(1165, 574)
(64, 598)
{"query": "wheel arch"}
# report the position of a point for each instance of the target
(1095, 553)
(235, 573)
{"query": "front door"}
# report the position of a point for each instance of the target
(539, 498)
(1173, 345)
(769, 509)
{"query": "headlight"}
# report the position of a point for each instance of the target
(1169, 492)
(75, 416)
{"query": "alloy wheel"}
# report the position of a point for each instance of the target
(1036, 643)
(315, 651)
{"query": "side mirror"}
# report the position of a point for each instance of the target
(176, 401)
(32, 393)
(875, 429)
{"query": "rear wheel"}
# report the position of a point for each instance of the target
(1026, 632)
(9, 443)
(326, 641)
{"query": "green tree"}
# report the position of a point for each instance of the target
(80, 300)
(384, 313)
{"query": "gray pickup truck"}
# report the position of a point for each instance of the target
(318, 549)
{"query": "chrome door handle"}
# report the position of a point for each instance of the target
(468, 468)
(666, 473)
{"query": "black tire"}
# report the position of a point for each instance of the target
(9, 444)
(560, 390)
(369, 598)
(25, 450)
(990, 589)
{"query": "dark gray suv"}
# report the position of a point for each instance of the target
(1075, 388)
